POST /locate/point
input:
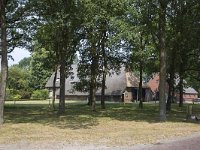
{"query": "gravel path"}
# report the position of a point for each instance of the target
(187, 143)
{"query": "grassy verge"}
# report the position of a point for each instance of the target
(118, 125)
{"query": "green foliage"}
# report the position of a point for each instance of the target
(140, 35)
(25, 94)
(40, 68)
(55, 40)
(19, 80)
(17, 24)
(101, 47)
(25, 63)
(40, 94)
(57, 35)
(12, 94)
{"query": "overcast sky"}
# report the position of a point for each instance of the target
(18, 54)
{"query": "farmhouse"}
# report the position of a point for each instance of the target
(121, 87)
(188, 92)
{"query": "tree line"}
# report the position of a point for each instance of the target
(145, 35)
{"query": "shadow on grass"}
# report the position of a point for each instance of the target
(80, 115)
(73, 118)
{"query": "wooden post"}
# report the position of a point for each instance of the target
(189, 111)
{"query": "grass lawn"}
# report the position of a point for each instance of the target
(118, 125)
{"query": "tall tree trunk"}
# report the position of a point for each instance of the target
(170, 92)
(103, 89)
(168, 106)
(181, 86)
(173, 93)
(171, 79)
(163, 56)
(140, 87)
(90, 93)
(94, 93)
(93, 82)
(62, 83)
(54, 88)
(142, 48)
(104, 69)
(4, 60)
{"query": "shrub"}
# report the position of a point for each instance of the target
(12, 94)
(25, 94)
(16, 97)
(40, 94)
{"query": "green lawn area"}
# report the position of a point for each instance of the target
(119, 124)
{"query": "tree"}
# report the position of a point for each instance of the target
(60, 20)
(182, 44)
(88, 65)
(108, 16)
(187, 29)
(19, 81)
(19, 78)
(163, 56)
(14, 21)
(40, 68)
(100, 48)
(46, 37)
(140, 41)
(155, 20)
(4, 61)
(25, 63)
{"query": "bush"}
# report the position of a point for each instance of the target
(12, 94)
(25, 94)
(40, 94)
(16, 97)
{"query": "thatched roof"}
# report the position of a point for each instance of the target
(69, 83)
(115, 83)
(69, 90)
(190, 90)
(49, 83)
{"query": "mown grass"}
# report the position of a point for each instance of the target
(119, 124)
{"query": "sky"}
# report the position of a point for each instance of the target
(18, 54)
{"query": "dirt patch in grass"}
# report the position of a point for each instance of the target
(118, 125)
